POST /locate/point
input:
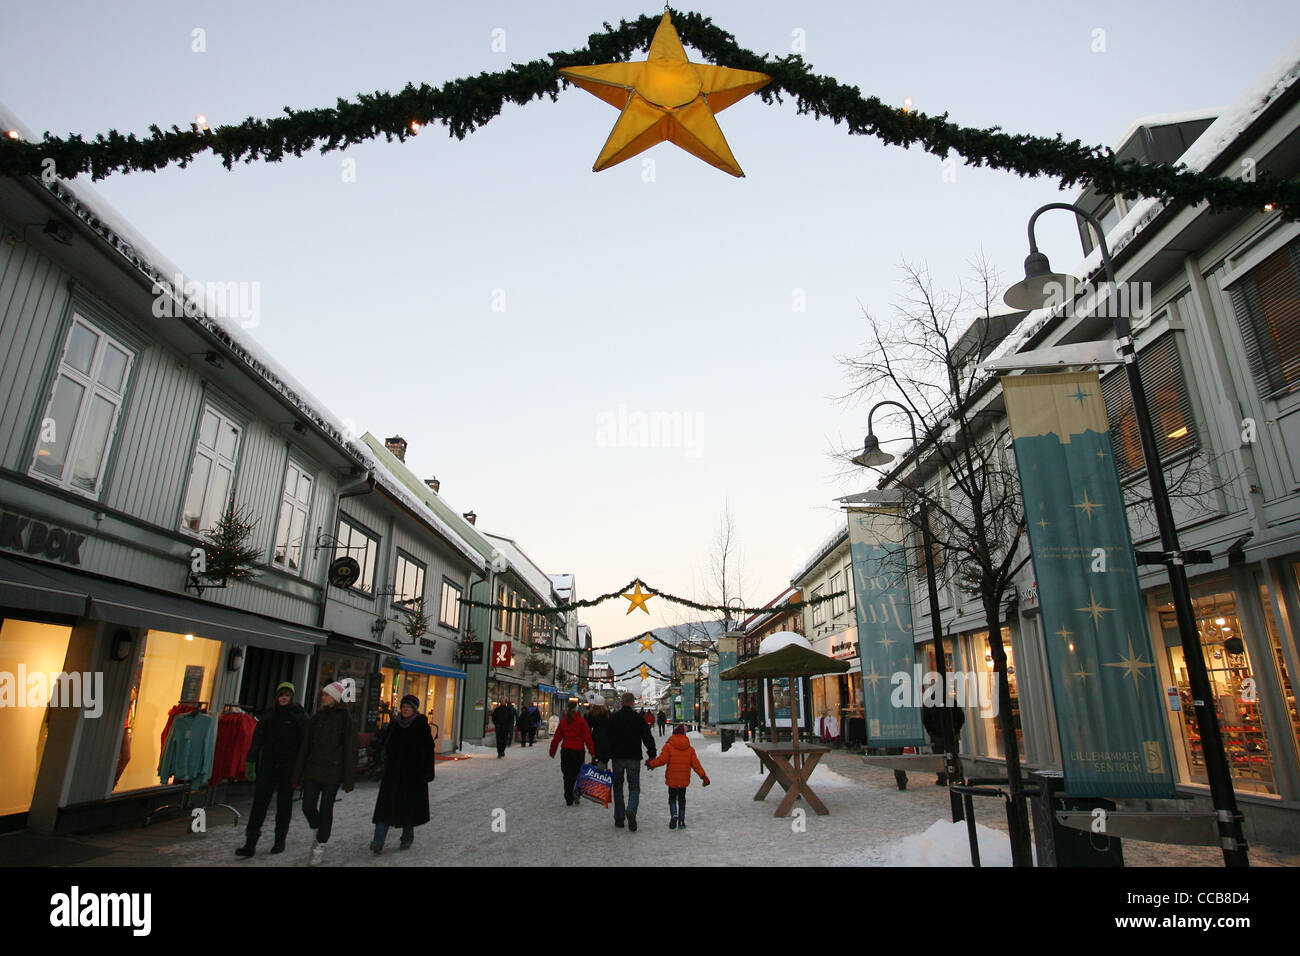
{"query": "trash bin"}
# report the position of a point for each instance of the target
(1059, 845)
(728, 736)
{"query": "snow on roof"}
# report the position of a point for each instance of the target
(88, 205)
(1164, 119)
(838, 537)
(1209, 146)
(531, 574)
(775, 605)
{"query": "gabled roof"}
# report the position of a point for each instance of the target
(526, 570)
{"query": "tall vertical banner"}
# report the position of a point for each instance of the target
(688, 698)
(714, 688)
(727, 708)
(1109, 703)
(878, 550)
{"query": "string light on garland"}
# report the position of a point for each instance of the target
(465, 105)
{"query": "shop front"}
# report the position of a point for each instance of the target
(838, 713)
(437, 687)
(106, 667)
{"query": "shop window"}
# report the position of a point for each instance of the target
(1232, 686)
(1267, 303)
(77, 429)
(174, 673)
(988, 684)
(409, 585)
(295, 506)
(449, 612)
(356, 542)
(37, 649)
(1171, 408)
(212, 476)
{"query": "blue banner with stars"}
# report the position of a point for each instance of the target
(877, 549)
(1109, 703)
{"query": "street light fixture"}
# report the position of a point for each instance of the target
(1033, 292)
(872, 456)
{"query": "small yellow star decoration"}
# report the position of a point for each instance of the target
(647, 642)
(645, 672)
(667, 97)
(638, 599)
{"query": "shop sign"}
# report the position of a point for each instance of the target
(471, 652)
(847, 649)
(427, 644)
(1029, 600)
(502, 655)
(37, 538)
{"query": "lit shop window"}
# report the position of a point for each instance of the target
(76, 432)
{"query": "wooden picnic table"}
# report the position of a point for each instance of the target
(790, 766)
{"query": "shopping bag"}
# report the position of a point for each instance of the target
(595, 784)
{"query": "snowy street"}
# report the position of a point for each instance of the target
(871, 823)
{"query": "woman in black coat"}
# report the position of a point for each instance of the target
(598, 719)
(408, 768)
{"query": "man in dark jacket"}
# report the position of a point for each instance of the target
(932, 719)
(534, 720)
(628, 733)
(269, 765)
(326, 762)
(503, 722)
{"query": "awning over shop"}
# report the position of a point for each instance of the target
(134, 606)
(424, 667)
(547, 689)
(26, 587)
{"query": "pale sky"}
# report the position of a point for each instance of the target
(674, 296)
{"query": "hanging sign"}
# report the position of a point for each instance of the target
(878, 551)
(502, 655)
(1105, 683)
(727, 707)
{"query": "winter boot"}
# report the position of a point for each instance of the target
(249, 847)
(672, 823)
(631, 822)
(317, 854)
(278, 845)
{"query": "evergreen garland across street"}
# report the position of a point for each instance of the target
(466, 104)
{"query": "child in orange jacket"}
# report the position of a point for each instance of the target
(680, 757)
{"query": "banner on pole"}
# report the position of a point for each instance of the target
(878, 550)
(727, 708)
(1106, 686)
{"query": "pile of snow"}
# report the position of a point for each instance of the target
(737, 750)
(947, 844)
(780, 639)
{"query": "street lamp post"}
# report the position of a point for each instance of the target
(1034, 292)
(873, 455)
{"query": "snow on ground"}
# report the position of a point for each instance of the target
(944, 843)
(476, 749)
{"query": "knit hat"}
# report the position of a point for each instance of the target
(413, 701)
(335, 690)
(286, 685)
(680, 729)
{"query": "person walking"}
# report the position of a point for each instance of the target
(648, 717)
(521, 723)
(326, 762)
(681, 759)
(408, 769)
(662, 720)
(572, 738)
(503, 722)
(598, 721)
(269, 765)
(932, 719)
(534, 721)
(628, 733)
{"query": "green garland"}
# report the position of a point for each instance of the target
(647, 589)
(467, 104)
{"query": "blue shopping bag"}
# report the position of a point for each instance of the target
(595, 784)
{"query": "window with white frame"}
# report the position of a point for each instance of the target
(212, 476)
(409, 582)
(1267, 303)
(295, 507)
(848, 584)
(818, 610)
(837, 603)
(503, 597)
(77, 428)
(449, 613)
(356, 542)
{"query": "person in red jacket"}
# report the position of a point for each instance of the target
(680, 757)
(574, 736)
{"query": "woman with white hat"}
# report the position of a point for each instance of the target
(327, 761)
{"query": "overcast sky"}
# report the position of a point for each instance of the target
(511, 313)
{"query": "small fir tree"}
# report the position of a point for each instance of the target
(228, 554)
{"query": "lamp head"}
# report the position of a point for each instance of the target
(872, 454)
(1040, 287)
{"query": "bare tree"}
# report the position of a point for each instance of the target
(726, 567)
(926, 357)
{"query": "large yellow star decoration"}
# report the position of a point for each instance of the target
(647, 643)
(667, 97)
(638, 599)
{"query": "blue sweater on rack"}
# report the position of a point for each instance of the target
(187, 754)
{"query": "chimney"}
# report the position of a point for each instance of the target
(470, 516)
(433, 483)
(397, 445)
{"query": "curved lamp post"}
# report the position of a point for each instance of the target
(872, 456)
(1039, 286)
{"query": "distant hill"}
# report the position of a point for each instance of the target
(659, 657)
